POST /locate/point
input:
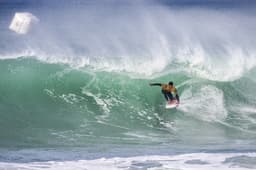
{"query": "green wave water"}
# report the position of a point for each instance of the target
(79, 97)
(48, 105)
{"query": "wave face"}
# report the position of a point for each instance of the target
(46, 104)
(81, 76)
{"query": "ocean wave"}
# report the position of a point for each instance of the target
(49, 104)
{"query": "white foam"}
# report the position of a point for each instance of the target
(244, 109)
(103, 104)
(206, 103)
(246, 114)
(193, 161)
(233, 66)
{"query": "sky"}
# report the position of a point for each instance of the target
(218, 3)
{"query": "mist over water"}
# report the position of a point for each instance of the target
(213, 43)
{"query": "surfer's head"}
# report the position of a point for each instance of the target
(170, 83)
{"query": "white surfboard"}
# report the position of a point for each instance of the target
(172, 104)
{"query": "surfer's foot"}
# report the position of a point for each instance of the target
(172, 101)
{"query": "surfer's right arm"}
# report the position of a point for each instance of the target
(155, 84)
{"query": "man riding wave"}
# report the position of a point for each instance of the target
(169, 91)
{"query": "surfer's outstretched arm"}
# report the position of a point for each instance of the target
(155, 84)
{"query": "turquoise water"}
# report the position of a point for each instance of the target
(75, 94)
(48, 105)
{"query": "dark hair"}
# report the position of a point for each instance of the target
(171, 83)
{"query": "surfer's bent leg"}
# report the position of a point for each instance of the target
(166, 95)
(170, 96)
(177, 97)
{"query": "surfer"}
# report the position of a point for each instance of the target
(169, 91)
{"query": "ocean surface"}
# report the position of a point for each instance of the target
(75, 94)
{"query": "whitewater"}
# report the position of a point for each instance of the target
(75, 94)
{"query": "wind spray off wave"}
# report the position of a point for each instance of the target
(142, 38)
